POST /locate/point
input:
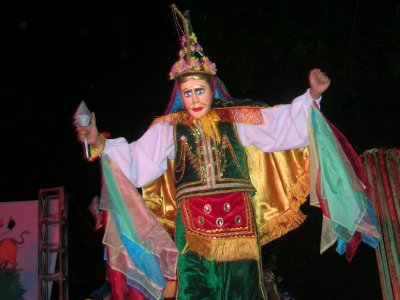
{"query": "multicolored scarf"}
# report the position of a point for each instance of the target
(340, 188)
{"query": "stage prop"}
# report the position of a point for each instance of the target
(18, 250)
(33, 247)
(383, 171)
(53, 244)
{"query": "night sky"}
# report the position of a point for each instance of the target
(116, 56)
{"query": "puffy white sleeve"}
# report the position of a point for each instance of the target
(285, 126)
(145, 159)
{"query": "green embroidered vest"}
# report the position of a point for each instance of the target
(206, 167)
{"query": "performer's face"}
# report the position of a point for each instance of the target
(197, 96)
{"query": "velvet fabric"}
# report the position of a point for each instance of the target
(199, 278)
(220, 227)
(204, 167)
(280, 178)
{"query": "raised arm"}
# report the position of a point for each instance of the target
(286, 125)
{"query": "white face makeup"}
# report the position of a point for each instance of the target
(197, 97)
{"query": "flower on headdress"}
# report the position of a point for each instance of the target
(182, 53)
(193, 38)
(195, 65)
(191, 59)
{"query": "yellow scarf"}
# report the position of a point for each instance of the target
(209, 127)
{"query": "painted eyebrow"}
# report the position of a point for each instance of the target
(194, 88)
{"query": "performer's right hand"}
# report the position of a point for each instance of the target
(90, 132)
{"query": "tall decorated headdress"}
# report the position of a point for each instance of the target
(191, 55)
(191, 60)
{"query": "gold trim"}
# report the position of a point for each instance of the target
(238, 248)
(250, 115)
(210, 183)
(217, 245)
(205, 190)
(279, 226)
(248, 227)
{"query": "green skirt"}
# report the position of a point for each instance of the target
(199, 278)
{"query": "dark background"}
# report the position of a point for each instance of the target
(116, 56)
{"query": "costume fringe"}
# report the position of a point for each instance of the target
(298, 194)
(226, 249)
(291, 218)
(244, 115)
(174, 118)
(279, 226)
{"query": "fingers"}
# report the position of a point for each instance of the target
(319, 77)
(319, 83)
(81, 131)
(81, 134)
(75, 122)
(90, 132)
(93, 119)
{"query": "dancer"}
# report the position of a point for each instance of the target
(213, 160)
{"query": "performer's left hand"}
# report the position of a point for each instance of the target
(319, 83)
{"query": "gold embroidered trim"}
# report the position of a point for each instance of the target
(225, 244)
(220, 155)
(237, 232)
(205, 190)
(210, 183)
